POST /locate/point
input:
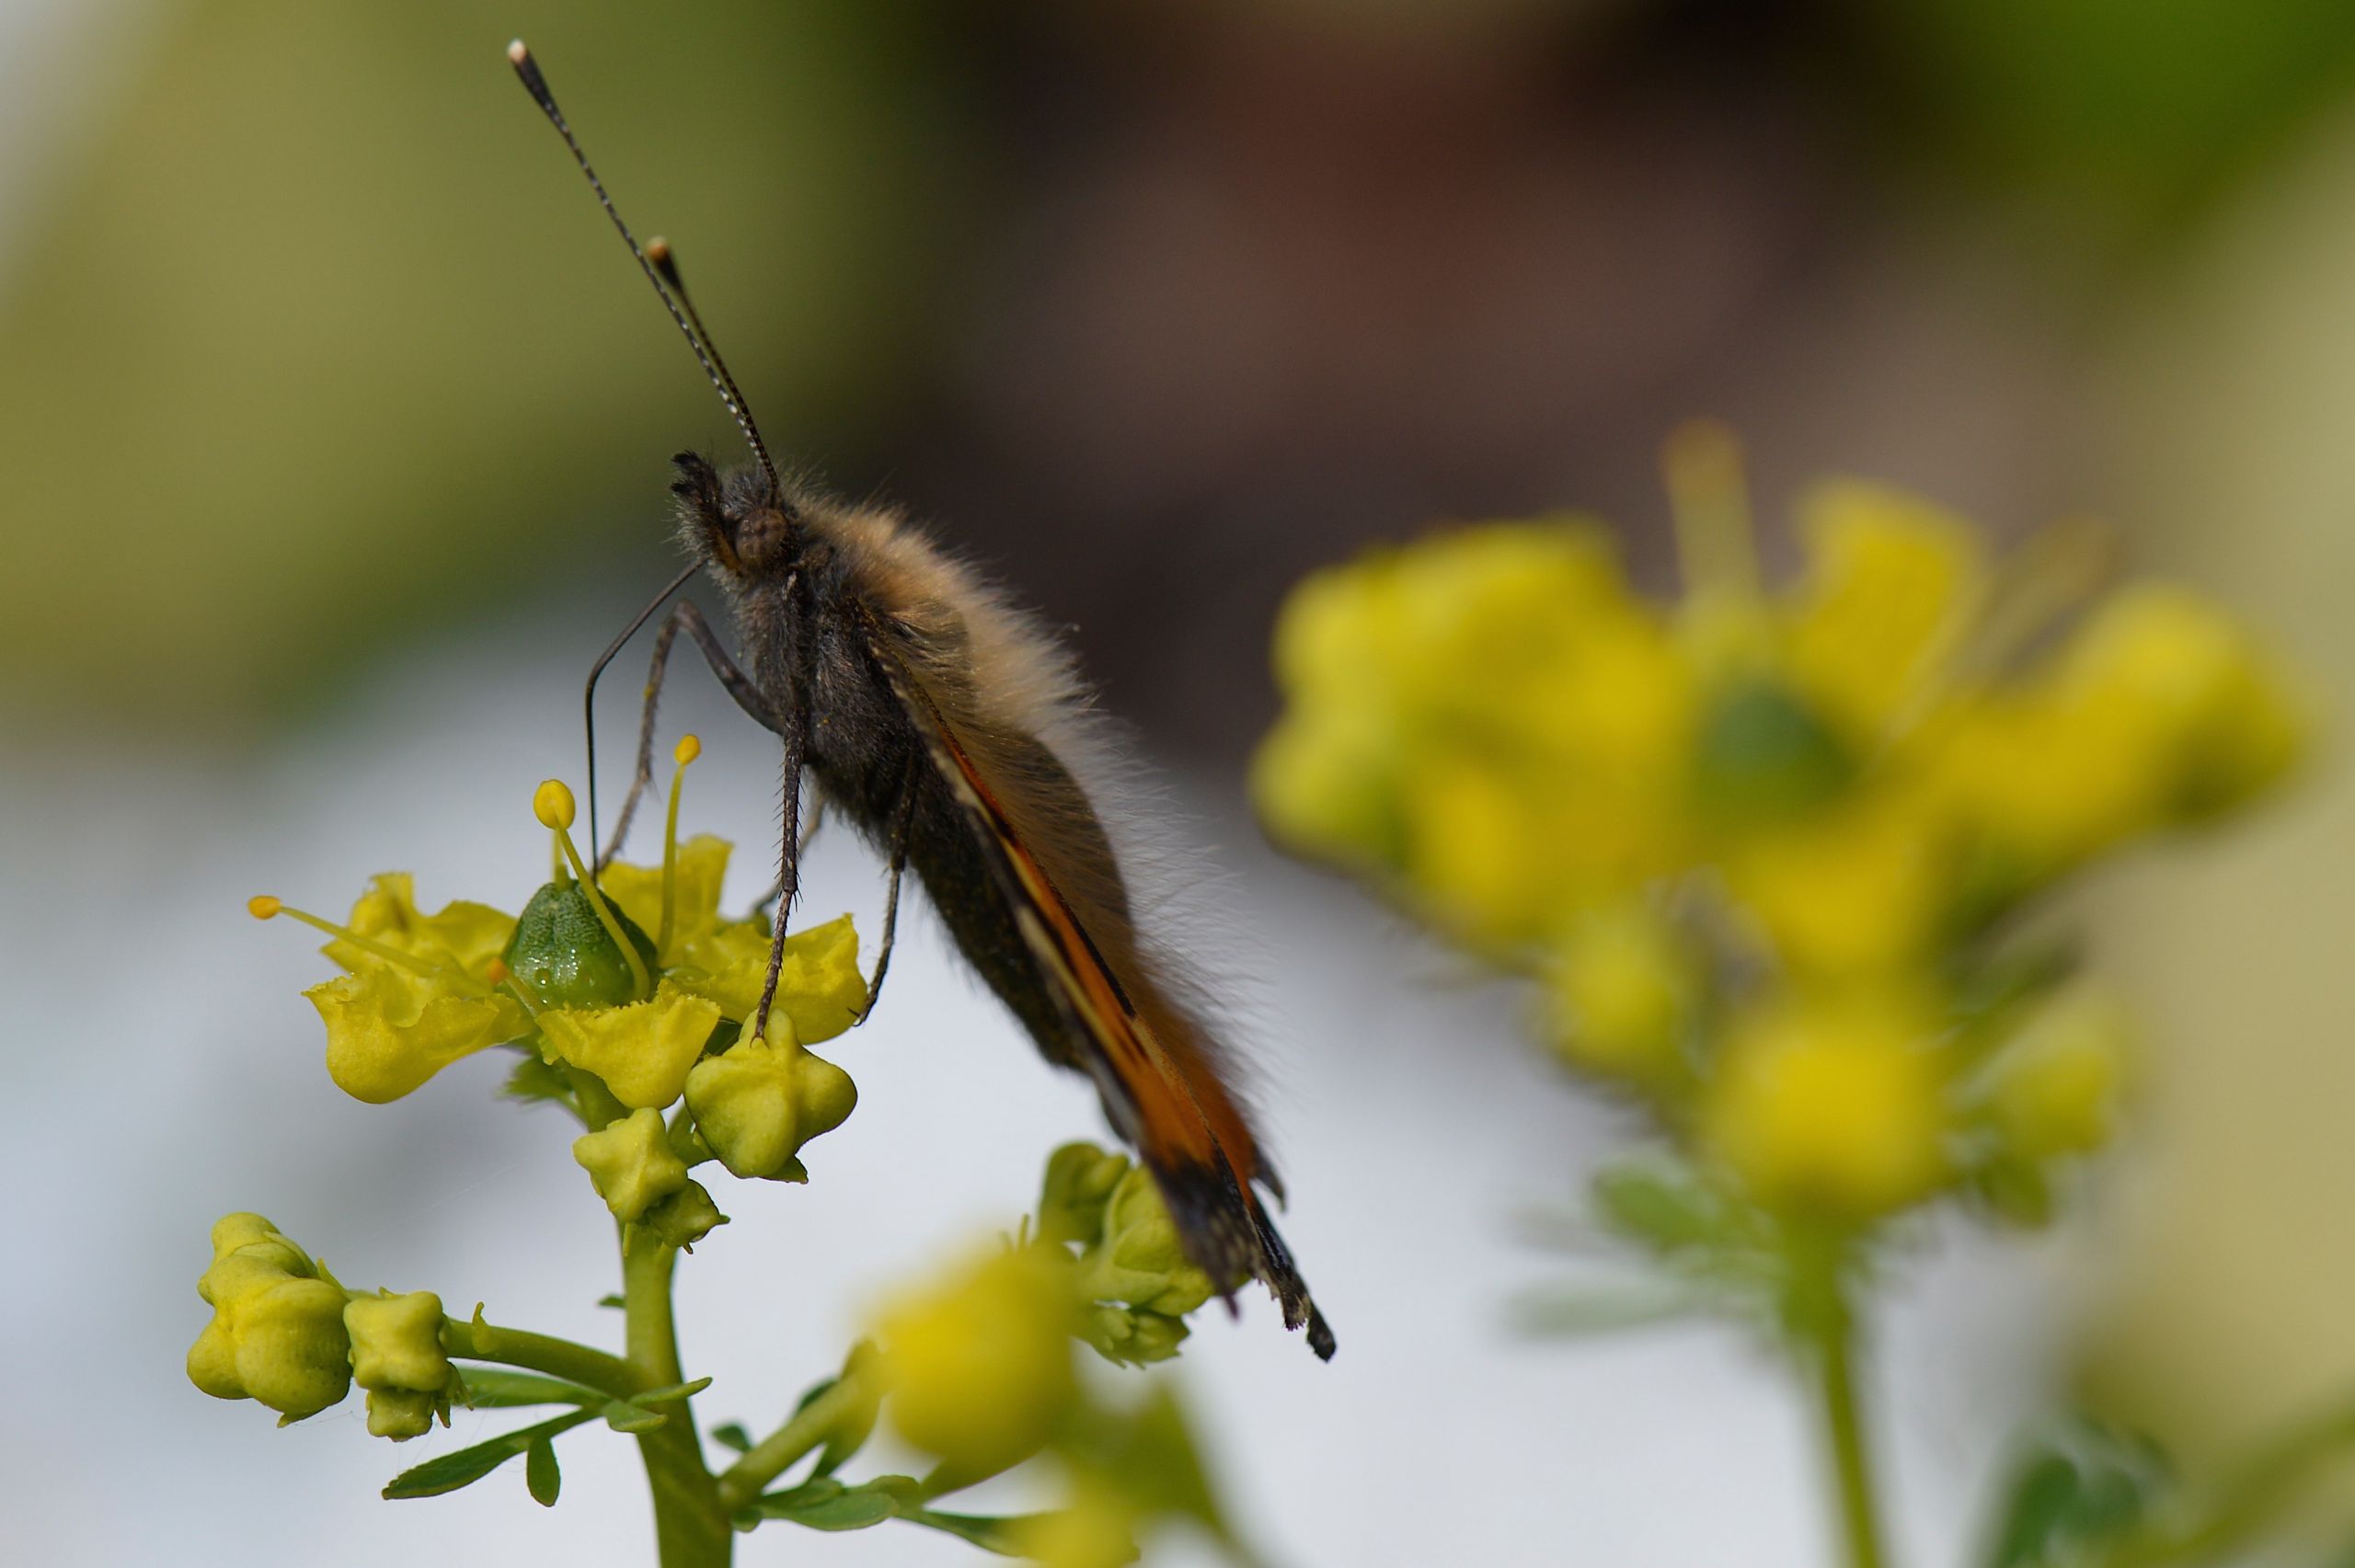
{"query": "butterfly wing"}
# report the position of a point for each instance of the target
(1086, 987)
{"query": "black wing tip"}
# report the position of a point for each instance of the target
(1227, 1232)
(1320, 1334)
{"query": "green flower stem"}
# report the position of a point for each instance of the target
(1822, 1321)
(690, 1528)
(774, 1454)
(479, 1341)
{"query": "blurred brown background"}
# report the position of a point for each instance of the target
(318, 354)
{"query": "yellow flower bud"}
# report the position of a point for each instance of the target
(2177, 680)
(979, 1365)
(758, 1101)
(683, 1219)
(277, 1333)
(1859, 892)
(1078, 1185)
(631, 1163)
(1096, 1530)
(642, 1050)
(1621, 988)
(2055, 1087)
(1831, 1106)
(1126, 1338)
(397, 1342)
(403, 1413)
(1140, 1260)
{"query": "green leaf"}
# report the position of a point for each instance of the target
(998, 1535)
(1603, 1311)
(616, 1303)
(447, 1472)
(672, 1390)
(1667, 1206)
(493, 1388)
(624, 1416)
(824, 1504)
(532, 1079)
(732, 1435)
(2084, 1486)
(541, 1474)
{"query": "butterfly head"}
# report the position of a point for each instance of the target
(737, 522)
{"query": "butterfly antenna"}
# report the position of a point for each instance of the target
(528, 70)
(657, 251)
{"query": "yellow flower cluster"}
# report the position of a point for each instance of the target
(626, 1025)
(1752, 841)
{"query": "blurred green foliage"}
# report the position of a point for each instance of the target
(2125, 113)
(325, 337)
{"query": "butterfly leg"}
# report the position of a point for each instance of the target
(788, 874)
(684, 616)
(891, 895)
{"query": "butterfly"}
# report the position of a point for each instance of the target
(955, 733)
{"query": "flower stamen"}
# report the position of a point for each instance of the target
(686, 751)
(263, 906)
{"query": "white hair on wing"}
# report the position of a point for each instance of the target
(1191, 938)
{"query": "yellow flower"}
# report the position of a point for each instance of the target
(1832, 1106)
(643, 1050)
(1861, 890)
(1486, 716)
(391, 1028)
(702, 868)
(820, 987)
(1892, 585)
(464, 935)
(758, 1101)
(2168, 676)
(980, 1364)
(276, 1333)
(631, 1163)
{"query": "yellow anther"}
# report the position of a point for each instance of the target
(687, 751)
(498, 972)
(261, 906)
(552, 804)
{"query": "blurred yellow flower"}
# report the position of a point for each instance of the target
(1892, 584)
(979, 1365)
(1622, 989)
(1830, 1106)
(1095, 1529)
(2055, 1086)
